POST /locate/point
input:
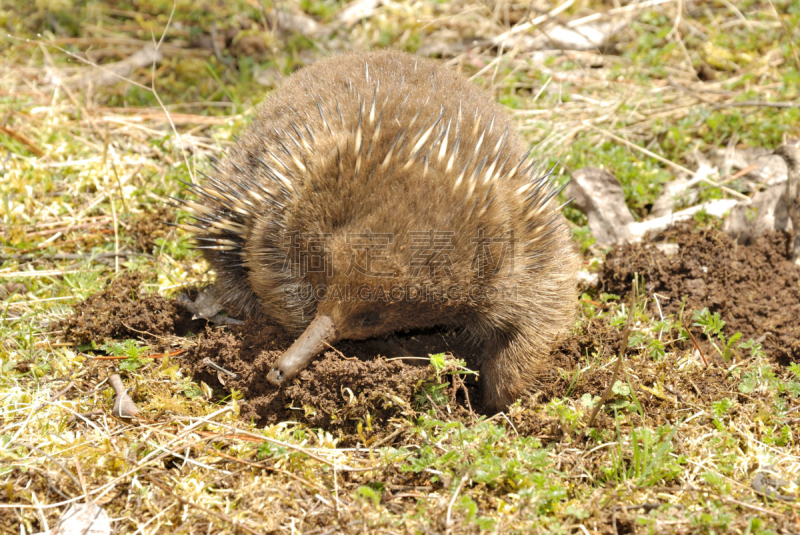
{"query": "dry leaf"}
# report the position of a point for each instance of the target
(82, 519)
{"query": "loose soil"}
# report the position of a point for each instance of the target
(332, 392)
(754, 288)
(357, 388)
(122, 312)
(353, 390)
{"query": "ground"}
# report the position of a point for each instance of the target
(701, 413)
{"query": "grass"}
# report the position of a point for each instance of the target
(86, 169)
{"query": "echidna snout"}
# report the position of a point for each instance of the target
(365, 315)
(319, 335)
(390, 172)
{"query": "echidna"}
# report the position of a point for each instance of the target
(381, 192)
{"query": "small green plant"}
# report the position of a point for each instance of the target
(432, 394)
(567, 414)
(722, 407)
(712, 326)
(435, 392)
(192, 391)
(656, 349)
(763, 376)
(703, 217)
(372, 492)
(622, 392)
(638, 339)
(755, 348)
(649, 461)
(268, 450)
(130, 349)
(718, 482)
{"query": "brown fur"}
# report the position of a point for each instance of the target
(314, 161)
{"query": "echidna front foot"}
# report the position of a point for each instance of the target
(495, 398)
(497, 383)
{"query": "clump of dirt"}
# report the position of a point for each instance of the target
(121, 312)
(342, 389)
(755, 288)
(371, 386)
(147, 227)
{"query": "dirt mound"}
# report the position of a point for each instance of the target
(336, 392)
(121, 312)
(588, 349)
(755, 288)
(350, 385)
(357, 388)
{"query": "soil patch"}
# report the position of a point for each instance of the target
(122, 312)
(658, 387)
(357, 388)
(755, 288)
(353, 389)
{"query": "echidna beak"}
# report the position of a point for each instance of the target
(319, 334)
